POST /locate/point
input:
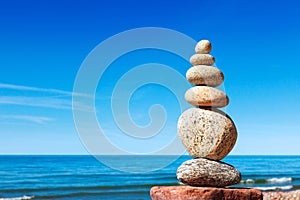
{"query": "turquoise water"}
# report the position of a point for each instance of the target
(83, 177)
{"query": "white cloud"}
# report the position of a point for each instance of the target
(48, 102)
(36, 119)
(36, 89)
(51, 98)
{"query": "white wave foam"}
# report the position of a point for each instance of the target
(248, 181)
(18, 198)
(288, 187)
(279, 180)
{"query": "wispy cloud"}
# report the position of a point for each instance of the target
(51, 98)
(35, 119)
(48, 102)
(36, 89)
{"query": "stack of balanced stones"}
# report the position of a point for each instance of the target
(207, 133)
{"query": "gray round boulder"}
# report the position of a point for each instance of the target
(204, 172)
(206, 133)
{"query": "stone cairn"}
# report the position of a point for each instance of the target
(208, 134)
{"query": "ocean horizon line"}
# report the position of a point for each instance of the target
(278, 155)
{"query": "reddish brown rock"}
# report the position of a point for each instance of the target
(203, 193)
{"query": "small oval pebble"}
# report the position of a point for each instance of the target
(206, 96)
(206, 133)
(203, 46)
(205, 75)
(204, 172)
(202, 59)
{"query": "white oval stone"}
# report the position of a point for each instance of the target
(205, 75)
(206, 133)
(203, 47)
(202, 59)
(206, 96)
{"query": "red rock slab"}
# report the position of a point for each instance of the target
(203, 193)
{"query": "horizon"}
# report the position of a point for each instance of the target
(136, 155)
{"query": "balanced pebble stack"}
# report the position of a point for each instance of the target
(207, 133)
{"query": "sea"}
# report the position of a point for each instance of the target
(84, 177)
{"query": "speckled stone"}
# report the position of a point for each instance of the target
(205, 75)
(203, 47)
(202, 59)
(206, 96)
(206, 133)
(204, 172)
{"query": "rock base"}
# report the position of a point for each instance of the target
(203, 193)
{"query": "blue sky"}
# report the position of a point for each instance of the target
(43, 43)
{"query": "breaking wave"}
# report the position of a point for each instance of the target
(18, 198)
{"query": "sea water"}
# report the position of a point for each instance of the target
(84, 177)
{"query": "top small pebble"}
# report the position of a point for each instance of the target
(203, 47)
